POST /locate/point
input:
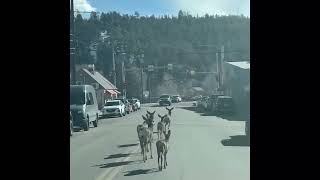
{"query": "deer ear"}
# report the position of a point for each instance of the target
(167, 108)
(154, 112)
(172, 108)
(159, 115)
(144, 117)
(148, 112)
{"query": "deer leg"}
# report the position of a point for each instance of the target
(141, 146)
(165, 158)
(158, 160)
(143, 154)
(151, 150)
(161, 161)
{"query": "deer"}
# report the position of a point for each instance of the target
(139, 128)
(166, 120)
(160, 127)
(151, 114)
(169, 110)
(145, 138)
(150, 123)
(162, 150)
(149, 119)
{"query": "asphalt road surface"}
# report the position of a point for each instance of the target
(201, 147)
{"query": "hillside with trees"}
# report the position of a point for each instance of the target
(186, 41)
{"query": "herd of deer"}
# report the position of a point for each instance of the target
(145, 135)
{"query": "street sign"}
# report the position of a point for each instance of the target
(192, 72)
(170, 66)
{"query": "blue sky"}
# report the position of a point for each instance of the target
(169, 7)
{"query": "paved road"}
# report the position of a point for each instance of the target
(198, 149)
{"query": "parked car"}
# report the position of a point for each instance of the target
(196, 98)
(114, 107)
(165, 100)
(83, 106)
(137, 103)
(212, 102)
(71, 124)
(176, 98)
(133, 104)
(202, 103)
(225, 105)
(126, 103)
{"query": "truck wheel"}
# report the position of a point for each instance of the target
(95, 123)
(86, 125)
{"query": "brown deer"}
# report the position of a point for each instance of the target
(162, 150)
(169, 110)
(139, 128)
(145, 137)
(160, 127)
(166, 120)
(151, 114)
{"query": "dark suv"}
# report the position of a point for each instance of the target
(212, 102)
(225, 105)
(165, 100)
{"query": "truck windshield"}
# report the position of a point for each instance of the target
(77, 96)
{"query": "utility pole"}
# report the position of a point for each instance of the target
(222, 64)
(218, 73)
(141, 67)
(123, 79)
(72, 47)
(114, 68)
(149, 83)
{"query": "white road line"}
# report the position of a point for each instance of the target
(112, 172)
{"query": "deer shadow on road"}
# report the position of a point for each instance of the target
(119, 155)
(128, 145)
(239, 140)
(141, 171)
(116, 164)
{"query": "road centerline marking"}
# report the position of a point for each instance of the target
(112, 172)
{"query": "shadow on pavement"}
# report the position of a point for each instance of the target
(128, 145)
(116, 164)
(240, 140)
(141, 171)
(117, 156)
